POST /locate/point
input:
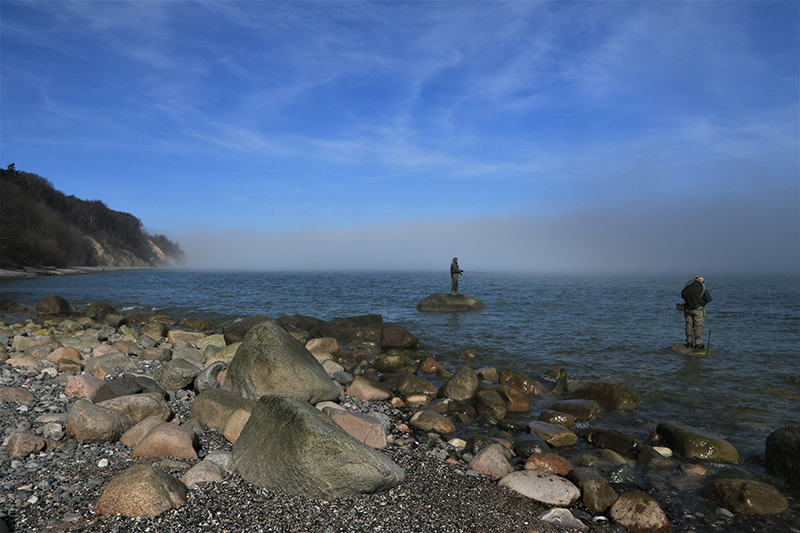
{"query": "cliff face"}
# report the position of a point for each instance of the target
(40, 226)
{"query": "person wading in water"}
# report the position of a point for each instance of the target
(695, 297)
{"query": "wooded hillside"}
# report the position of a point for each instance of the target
(41, 226)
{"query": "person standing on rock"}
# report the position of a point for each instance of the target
(695, 297)
(455, 271)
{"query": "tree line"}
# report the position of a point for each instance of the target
(40, 225)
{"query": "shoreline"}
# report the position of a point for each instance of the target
(457, 486)
(67, 271)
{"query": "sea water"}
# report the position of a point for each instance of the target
(594, 327)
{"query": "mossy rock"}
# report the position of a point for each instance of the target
(682, 348)
(449, 303)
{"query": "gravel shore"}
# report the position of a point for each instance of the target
(56, 490)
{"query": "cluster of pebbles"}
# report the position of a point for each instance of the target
(56, 490)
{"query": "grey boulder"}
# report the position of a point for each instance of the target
(289, 446)
(271, 361)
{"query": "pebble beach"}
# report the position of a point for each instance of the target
(57, 488)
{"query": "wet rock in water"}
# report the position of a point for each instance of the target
(270, 361)
(553, 434)
(53, 305)
(394, 336)
(97, 311)
(608, 395)
(511, 426)
(555, 417)
(141, 491)
(168, 440)
(94, 424)
(693, 443)
(527, 386)
(128, 385)
(745, 496)
(140, 406)
(430, 421)
(488, 403)
(542, 487)
(613, 440)
(580, 409)
(236, 331)
(492, 461)
(411, 383)
(639, 513)
(392, 363)
(431, 366)
(516, 401)
(597, 495)
(649, 457)
(291, 447)
(529, 445)
(462, 386)
(782, 454)
(449, 303)
(549, 462)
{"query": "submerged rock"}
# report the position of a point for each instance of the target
(744, 496)
(693, 443)
(782, 454)
(448, 303)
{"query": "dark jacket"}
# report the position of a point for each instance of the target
(695, 295)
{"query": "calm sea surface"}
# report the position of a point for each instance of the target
(616, 328)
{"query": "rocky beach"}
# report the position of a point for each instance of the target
(115, 422)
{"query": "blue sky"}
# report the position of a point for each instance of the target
(524, 136)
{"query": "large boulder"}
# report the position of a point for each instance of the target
(443, 302)
(693, 443)
(141, 491)
(782, 454)
(608, 395)
(270, 361)
(53, 305)
(291, 447)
